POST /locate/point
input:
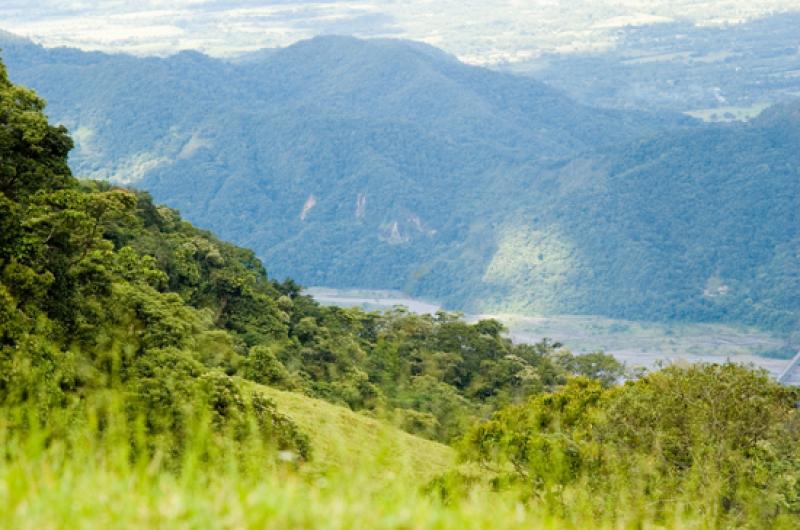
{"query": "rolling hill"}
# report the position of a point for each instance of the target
(389, 164)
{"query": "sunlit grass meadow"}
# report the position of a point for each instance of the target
(91, 479)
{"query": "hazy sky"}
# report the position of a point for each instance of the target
(479, 31)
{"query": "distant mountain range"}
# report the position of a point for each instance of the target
(389, 164)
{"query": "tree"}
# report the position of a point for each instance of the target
(33, 153)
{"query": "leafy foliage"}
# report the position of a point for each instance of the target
(721, 432)
(81, 319)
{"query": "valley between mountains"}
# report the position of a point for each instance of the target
(388, 164)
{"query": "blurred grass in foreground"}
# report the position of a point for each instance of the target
(92, 480)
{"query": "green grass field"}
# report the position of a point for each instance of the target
(345, 440)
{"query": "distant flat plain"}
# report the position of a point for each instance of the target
(637, 344)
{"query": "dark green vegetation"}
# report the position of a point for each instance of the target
(89, 325)
(102, 289)
(134, 349)
(387, 164)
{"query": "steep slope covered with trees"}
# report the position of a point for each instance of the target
(103, 291)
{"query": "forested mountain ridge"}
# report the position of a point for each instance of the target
(106, 294)
(389, 164)
(404, 130)
(720, 206)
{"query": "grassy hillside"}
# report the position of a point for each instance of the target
(666, 461)
(345, 440)
(49, 491)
